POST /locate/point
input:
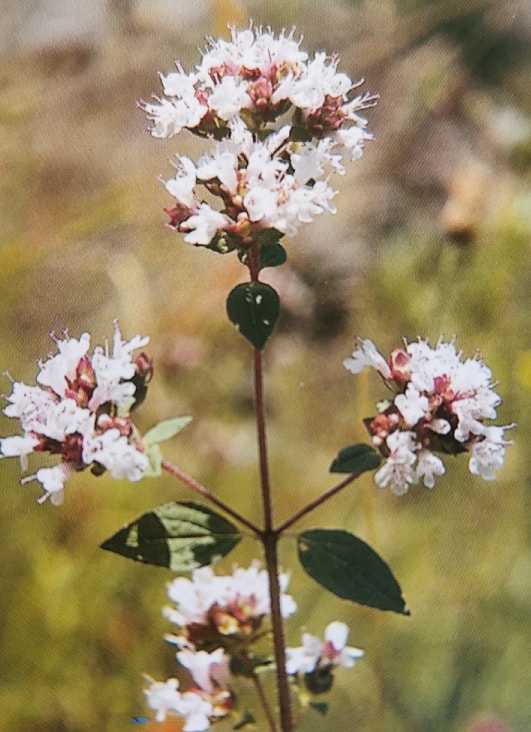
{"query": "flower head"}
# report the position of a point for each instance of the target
(279, 124)
(440, 404)
(215, 610)
(80, 411)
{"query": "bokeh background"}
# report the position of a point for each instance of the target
(432, 236)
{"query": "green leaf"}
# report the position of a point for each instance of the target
(247, 718)
(247, 663)
(356, 459)
(349, 568)
(165, 430)
(154, 455)
(179, 535)
(320, 707)
(254, 308)
(272, 254)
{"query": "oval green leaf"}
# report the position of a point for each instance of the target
(349, 568)
(272, 254)
(356, 459)
(179, 535)
(254, 308)
(165, 430)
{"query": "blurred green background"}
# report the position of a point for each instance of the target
(432, 236)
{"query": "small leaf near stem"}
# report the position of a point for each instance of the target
(356, 459)
(271, 255)
(254, 308)
(165, 430)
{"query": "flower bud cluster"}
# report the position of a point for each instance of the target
(440, 405)
(279, 123)
(80, 411)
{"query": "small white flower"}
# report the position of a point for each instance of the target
(222, 165)
(429, 465)
(353, 140)
(488, 454)
(53, 482)
(57, 369)
(411, 405)
(27, 401)
(196, 711)
(337, 651)
(171, 116)
(209, 670)
(228, 98)
(398, 468)
(17, 446)
(163, 697)
(203, 225)
(116, 454)
(179, 84)
(304, 658)
(367, 355)
(315, 653)
(262, 204)
(182, 186)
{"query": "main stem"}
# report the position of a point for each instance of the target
(269, 535)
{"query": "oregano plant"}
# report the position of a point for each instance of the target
(276, 125)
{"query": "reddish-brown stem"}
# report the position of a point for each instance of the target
(318, 502)
(253, 262)
(262, 442)
(265, 704)
(269, 535)
(284, 702)
(205, 493)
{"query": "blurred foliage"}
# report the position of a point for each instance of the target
(432, 236)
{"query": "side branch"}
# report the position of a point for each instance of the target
(318, 502)
(205, 493)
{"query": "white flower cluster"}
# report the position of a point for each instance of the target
(440, 404)
(80, 411)
(234, 604)
(266, 177)
(219, 616)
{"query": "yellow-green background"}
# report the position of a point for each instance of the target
(431, 236)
